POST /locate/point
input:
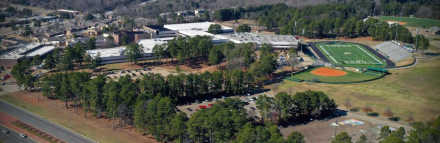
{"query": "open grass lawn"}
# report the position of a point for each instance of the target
(406, 90)
(413, 22)
(91, 127)
(348, 54)
(348, 77)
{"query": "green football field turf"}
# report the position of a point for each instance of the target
(348, 54)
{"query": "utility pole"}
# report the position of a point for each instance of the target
(336, 126)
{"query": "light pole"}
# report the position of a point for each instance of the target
(336, 126)
(400, 16)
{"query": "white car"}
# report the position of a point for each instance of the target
(23, 135)
(5, 131)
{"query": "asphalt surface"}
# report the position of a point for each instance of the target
(43, 124)
(13, 137)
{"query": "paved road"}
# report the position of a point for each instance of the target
(13, 137)
(43, 124)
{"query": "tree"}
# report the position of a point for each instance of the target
(264, 67)
(134, 53)
(347, 103)
(125, 40)
(215, 55)
(37, 23)
(265, 104)
(384, 132)
(367, 109)
(50, 62)
(295, 137)
(89, 17)
(388, 113)
(2, 18)
(425, 132)
(36, 60)
(409, 117)
(243, 28)
(362, 139)
(266, 49)
(342, 138)
(215, 29)
(179, 126)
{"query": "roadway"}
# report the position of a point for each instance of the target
(13, 137)
(43, 124)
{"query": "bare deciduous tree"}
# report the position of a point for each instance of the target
(347, 103)
(388, 113)
(367, 109)
(409, 117)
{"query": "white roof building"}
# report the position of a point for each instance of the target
(198, 26)
(42, 51)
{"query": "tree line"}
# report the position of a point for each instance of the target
(342, 20)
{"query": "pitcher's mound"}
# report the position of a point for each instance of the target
(328, 72)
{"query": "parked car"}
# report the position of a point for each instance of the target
(252, 108)
(128, 71)
(10, 81)
(5, 131)
(248, 94)
(115, 76)
(141, 73)
(189, 109)
(122, 71)
(133, 74)
(197, 101)
(223, 97)
(145, 69)
(8, 68)
(23, 135)
(3, 83)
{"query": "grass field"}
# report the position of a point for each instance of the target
(348, 77)
(348, 54)
(413, 22)
(404, 90)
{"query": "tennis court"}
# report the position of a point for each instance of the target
(349, 54)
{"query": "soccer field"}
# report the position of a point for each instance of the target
(348, 54)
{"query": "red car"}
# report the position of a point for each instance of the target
(7, 76)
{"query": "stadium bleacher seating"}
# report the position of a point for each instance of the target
(394, 51)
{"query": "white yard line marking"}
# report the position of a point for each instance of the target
(328, 54)
(369, 54)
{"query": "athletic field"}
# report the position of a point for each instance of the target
(348, 54)
(413, 22)
(349, 76)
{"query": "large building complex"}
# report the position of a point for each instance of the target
(162, 34)
(116, 55)
(27, 51)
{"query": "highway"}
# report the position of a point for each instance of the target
(13, 137)
(43, 124)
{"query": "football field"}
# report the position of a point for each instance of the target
(348, 54)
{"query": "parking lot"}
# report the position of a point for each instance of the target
(134, 73)
(196, 106)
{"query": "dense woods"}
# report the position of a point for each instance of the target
(418, 8)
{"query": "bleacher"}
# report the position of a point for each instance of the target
(394, 51)
(372, 73)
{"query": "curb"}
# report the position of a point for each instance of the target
(49, 120)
